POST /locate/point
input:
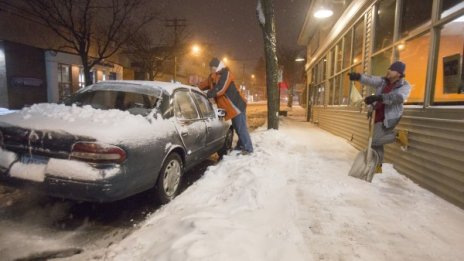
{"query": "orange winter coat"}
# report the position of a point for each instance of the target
(221, 86)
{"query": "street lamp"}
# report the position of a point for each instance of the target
(196, 50)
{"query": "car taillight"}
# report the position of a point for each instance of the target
(97, 152)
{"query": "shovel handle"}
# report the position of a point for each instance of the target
(369, 141)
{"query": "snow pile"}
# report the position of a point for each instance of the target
(4, 111)
(292, 200)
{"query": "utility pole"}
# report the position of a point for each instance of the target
(177, 24)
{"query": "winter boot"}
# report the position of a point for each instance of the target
(378, 168)
(402, 139)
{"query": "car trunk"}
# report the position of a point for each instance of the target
(40, 142)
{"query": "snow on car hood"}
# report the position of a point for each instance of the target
(109, 126)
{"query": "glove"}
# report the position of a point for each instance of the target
(373, 98)
(354, 76)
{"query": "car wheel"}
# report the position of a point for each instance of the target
(168, 184)
(227, 147)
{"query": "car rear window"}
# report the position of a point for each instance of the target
(105, 99)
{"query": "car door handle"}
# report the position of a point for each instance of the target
(184, 133)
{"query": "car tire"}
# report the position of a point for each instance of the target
(169, 179)
(227, 147)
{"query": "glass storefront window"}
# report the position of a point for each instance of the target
(331, 92)
(345, 89)
(379, 65)
(347, 50)
(384, 23)
(314, 75)
(358, 42)
(320, 94)
(449, 6)
(356, 90)
(332, 62)
(336, 88)
(415, 13)
(415, 53)
(64, 81)
(323, 65)
(339, 56)
(380, 62)
(449, 82)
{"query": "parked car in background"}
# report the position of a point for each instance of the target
(112, 140)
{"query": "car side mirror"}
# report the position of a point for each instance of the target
(221, 112)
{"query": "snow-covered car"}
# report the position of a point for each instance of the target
(112, 140)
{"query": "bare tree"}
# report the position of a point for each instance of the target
(148, 54)
(151, 54)
(265, 13)
(97, 27)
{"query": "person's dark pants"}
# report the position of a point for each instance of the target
(240, 125)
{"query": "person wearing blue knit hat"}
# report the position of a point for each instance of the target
(392, 91)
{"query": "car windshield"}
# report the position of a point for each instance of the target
(135, 103)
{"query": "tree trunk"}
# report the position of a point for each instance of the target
(270, 49)
(86, 68)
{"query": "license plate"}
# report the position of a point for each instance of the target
(34, 159)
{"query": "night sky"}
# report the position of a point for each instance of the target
(231, 27)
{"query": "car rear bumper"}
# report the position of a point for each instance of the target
(68, 179)
(102, 191)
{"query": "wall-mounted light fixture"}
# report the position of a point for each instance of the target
(323, 12)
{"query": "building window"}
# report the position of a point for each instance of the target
(384, 24)
(414, 53)
(356, 90)
(81, 78)
(64, 81)
(379, 64)
(93, 75)
(323, 65)
(336, 88)
(358, 42)
(331, 92)
(449, 81)
(339, 56)
(415, 13)
(450, 6)
(320, 94)
(345, 90)
(347, 50)
(332, 62)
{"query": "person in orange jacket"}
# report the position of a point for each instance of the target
(220, 85)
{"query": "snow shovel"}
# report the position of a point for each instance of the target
(365, 162)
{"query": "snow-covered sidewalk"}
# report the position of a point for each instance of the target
(293, 200)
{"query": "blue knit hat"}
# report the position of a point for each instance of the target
(398, 66)
(214, 62)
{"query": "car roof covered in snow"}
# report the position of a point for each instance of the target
(153, 88)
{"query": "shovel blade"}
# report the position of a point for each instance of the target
(363, 166)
